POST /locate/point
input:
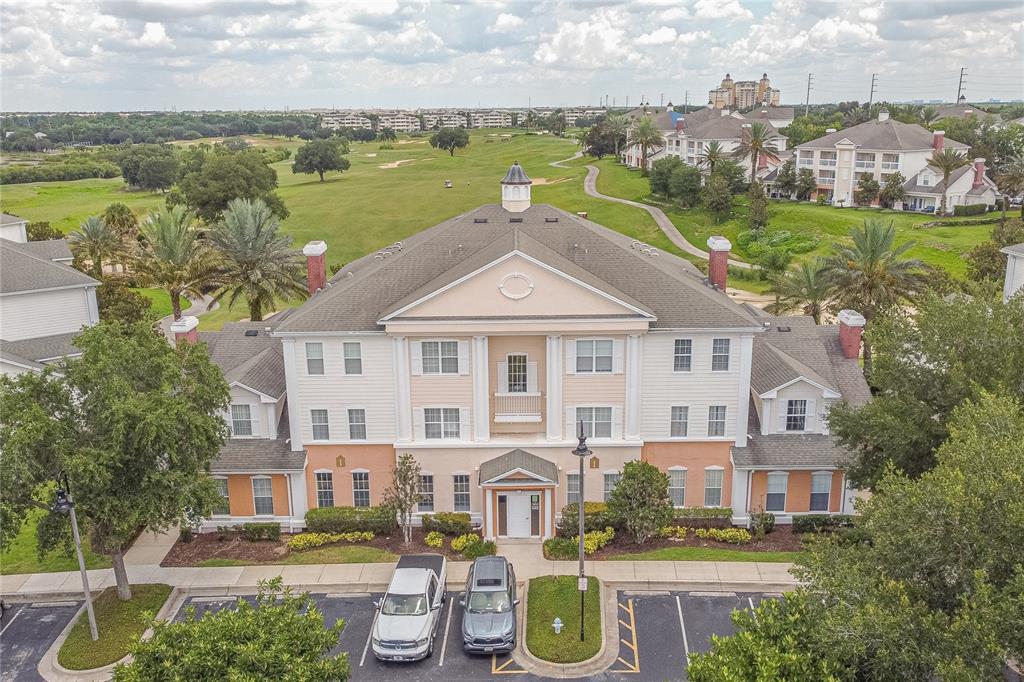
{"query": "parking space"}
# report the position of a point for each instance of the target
(26, 632)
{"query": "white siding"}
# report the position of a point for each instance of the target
(775, 422)
(44, 313)
(661, 387)
(261, 415)
(373, 390)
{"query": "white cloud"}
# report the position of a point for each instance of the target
(597, 43)
(506, 23)
(660, 36)
(153, 35)
(721, 9)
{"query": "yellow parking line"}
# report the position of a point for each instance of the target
(500, 669)
(633, 667)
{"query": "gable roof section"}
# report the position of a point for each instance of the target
(911, 185)
(787, 450)
(8, 219)
(256, 455)
(255, 362)
(882, 135)
(518, 460)
(667, 286)
(28, 267)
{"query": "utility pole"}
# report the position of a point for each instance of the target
(960, 85)
(662, 100)
(627, 101)
(686, 101)
(807, 102)
(874, 86)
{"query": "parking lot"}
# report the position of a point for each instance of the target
(26, 632)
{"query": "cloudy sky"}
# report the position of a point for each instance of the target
(255, 54)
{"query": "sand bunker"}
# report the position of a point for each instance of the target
(396, 164)
(412, 142)
(547, 181)
(370, 155)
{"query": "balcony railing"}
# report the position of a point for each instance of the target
(518, 407)
(826, 181)
(890, 165)
(806, 162)
(827, 162)
(865, 165)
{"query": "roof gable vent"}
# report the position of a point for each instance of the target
(783, 329)
(515, 220)
(479, 220)
(551, 220)
(252, 332)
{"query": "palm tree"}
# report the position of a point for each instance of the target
(387, 136)
(712, 154)
(754, 142)
(929, 114)
(645, 134)
(871, 275)
(174, 257)
(95, 240)
(618, 125)
(806, 287)
(257, 262)
(1011, 180)
(946, 161)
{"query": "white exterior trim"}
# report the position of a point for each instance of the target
(633, 372)
(291, 381)
(481, 402)
(743, 392)
(403, 393)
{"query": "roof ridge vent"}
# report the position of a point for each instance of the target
(645, 249)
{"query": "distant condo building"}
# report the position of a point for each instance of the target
(744, 94)
(444, 120)
(338, 120)
(490, 119)
(399, 121)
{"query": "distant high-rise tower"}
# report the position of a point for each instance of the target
(743, 94)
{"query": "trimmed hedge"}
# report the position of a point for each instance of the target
(304, 541)
(448, 523)
(733, 536)
(972, 209)
(434, 539)
(253, 532)
(704, 517)
(377, 520)
(817, 523)
(479, 549)
(595, 517)
(561, 549)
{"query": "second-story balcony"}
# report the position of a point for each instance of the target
(518, 408)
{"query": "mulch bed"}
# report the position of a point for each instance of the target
(217, 545)
(782, 539)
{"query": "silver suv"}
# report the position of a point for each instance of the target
(489, 607)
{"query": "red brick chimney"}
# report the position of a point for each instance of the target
(316, 266)
(718, 261)
(938, 139)
(979, 173)
(186, 329)
(851, 326)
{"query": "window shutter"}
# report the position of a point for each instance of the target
(570, 356)
(812, 416)
(417, 358)
(782, 409)
(617, 423)
(463, 357)
(419, 432)
(502, 377)
(254, 414)
(617, 356)
(464, 433)
(570, 423)
(531, 377)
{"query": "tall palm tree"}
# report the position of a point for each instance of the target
(619, 126)
(871, 275)
(1011, 180)
(712, 154)
(645, 134)
(946, 161)
(387, 136)
(174, 257)
(929, 114)
(754, 142)
(257, 262)
(98, 242)
(806, 287)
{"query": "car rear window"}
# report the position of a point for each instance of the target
(488, 582)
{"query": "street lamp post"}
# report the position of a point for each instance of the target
(65, 505)
(581, 451)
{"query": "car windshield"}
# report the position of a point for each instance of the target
(404, 605)
(489, 602)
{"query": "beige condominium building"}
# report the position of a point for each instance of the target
(480, 346)
(742, 95)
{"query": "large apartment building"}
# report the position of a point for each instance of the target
(732, 94)
(338, 120)
(398, 121)
(482, 344)
(490, 119)
(445, 120)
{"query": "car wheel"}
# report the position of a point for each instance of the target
(430, 648)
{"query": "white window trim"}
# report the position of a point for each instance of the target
(312, 437)
(316, 490)
(433, 493)
(670, 420)
(576, 355)
(323, 357)
(728, 356)
(352, 484)
(344, 367)
(348, 423)
(611, 431)
(469, 491)
(443, 437)
(785, 493)
(674, 354)
(829, 492)
(252, 488)
(708, 421)
(440, 364)
(228, 498)
(721, 487)
(253, 420)
(687, 484)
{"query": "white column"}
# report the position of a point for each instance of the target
(403, 396)
(740, 513)
(549, 499)
(298, 496)
(553, 363)
(481, 403)
(291, 385)
(743, 392)
(488, 514)
(633, 387)
(94, 308)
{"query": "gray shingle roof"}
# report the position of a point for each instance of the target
(255, 361)
(27, 267)
(784, 450)
(882, 135)
(8, 219)
(50, 249)
(367, 289)
(516, 176)
(765, 113)
(1014, 249)
(518, 459)
(254, 455)
(912, 186)
(42, 348)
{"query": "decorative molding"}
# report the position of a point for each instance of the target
(516, 291)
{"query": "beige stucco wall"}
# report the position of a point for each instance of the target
(498, 348)
(798, 491)
(379, 460)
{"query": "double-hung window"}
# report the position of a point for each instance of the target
(716, 420)
(821, 486)
(461, 492)
(360, 489)
(315, 359)
(594, 356)
(610, 481)
(352, 353)
(516, 373)
(713, 487)
(241, 420)
(426, 489)
(324, 489)
(677, 486)
(572, 488)
(796, 415)
(775, 497)
(720, 355)
(597, 421)
(223, 504)
(262, 496)
(682, 359)
(440, 357)
(441, 422)
(357, 423)
(321, 428)
(680, 417)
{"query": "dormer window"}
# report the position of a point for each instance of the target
(796, 415)
(241, 420)
(925, 180)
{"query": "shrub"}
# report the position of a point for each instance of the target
(448, 523)
(186, 535)
(479, 549)
(254, 532)
(561, 549)
(434, 539)
(817, 523)
(595, 517)
(223, 533)
(460, 543)
(595, 540)
(733, 536)
(304, 541)
(378, 520)
(639, 502)
(704, 517)
(762, 523)
(822, 200)
(673, 532)
(973, 209)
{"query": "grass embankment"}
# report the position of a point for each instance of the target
(348, 554)
(706, 554)
(161, 301)
(118, 623)
(21, 556)
(553, 597)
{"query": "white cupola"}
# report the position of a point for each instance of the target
(515, 189)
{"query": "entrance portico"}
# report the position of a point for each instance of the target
(519, 496)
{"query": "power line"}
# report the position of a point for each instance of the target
(807, 102)
(960, 86)
(874, 86)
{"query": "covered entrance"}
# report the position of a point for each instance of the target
(519, 495)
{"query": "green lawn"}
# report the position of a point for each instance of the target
(21, 557)
(118, 623)
(557, 596)
(707, 554)
(161, 301)
(337, 554)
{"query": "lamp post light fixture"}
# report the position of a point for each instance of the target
(63, 504)
(581, 451)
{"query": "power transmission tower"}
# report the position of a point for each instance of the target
(960, 85)
(807, 102)
(686, 102)
(874, 87)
